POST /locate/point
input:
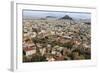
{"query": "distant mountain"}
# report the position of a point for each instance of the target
(47, 17)
(66, 17)
(50, 17)
(86, 21)
(30, 17)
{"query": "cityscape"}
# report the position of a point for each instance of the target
(56, 36)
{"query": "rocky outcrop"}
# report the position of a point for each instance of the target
(66, 17)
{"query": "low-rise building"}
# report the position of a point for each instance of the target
(29, 51)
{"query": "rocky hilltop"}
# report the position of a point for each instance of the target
(66, 17)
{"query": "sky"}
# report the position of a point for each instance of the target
(43, 14)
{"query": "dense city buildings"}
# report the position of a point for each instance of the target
(53, 39)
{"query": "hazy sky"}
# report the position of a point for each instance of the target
(42, 14)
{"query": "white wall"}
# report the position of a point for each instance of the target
(5, 35)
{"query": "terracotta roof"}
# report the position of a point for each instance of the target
(28, 49)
